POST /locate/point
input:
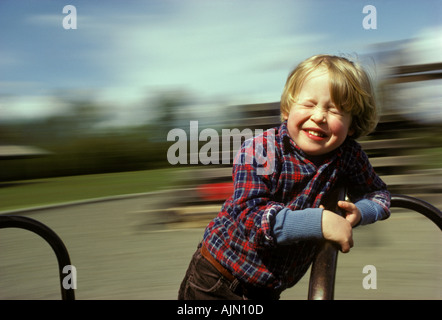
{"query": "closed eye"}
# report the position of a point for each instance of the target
(335, 111)
(308, 104)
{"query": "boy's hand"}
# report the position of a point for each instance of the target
(351, 212)
(337, 229)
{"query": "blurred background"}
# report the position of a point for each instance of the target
(85, 113)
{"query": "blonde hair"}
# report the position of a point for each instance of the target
(350, 89)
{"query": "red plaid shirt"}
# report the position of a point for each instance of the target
(268, 178)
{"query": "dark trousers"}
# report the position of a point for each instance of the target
(204, 282)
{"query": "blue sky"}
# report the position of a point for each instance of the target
(229, 51)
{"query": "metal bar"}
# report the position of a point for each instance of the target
(323, 272)
(418, 205)
(57, 245)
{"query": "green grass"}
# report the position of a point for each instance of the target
(39, 192)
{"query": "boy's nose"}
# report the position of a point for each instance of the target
(319, 115)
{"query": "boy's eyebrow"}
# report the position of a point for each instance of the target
(312, 100)
(307, 100)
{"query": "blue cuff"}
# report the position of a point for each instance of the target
(292, 226)
(370, 211)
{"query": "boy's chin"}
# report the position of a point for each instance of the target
(319, 151)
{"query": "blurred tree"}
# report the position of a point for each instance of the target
(169, 107)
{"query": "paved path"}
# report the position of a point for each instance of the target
(121, 253)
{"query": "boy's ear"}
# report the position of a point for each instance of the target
(285, 116)
(351, 131)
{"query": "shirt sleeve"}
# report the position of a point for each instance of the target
(292, 226)
(253, 207)
(366, 189)
(370, 211)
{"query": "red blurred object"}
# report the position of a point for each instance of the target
(215, 191)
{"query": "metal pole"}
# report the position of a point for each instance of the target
(323, 272)
(13, 221)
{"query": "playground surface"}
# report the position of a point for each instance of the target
(121, 251)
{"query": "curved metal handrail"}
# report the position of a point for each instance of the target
(323, 273)
(13, 221)
(418, 205)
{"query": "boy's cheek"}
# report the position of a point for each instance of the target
(340, 129)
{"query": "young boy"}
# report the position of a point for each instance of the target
(267, 233)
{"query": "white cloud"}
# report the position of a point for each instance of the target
(210, 49)
(29, 107)
(426, 47)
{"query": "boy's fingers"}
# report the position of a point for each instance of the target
(346, 246)
(343, 203)
(346, 205)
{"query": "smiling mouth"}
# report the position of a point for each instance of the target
(315, 133)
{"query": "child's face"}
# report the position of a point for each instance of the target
(315, 124)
